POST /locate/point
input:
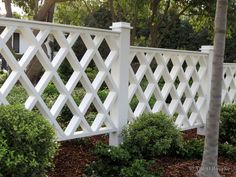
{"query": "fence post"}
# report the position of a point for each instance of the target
(120, 74)
(207, 84)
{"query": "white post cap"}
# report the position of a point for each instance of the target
(206, 48)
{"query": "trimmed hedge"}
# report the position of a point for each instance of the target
(28, 143)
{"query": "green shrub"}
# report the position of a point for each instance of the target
(110, 161)
(91, 72)
(228, 124)
(65, 70)
(28, 143)
(151, 135)
(228, 151)
(103, 94)
(140, 168)
(191, 149)
(17, 95)
(3, 77)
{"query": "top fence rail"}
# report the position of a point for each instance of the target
(46, 25)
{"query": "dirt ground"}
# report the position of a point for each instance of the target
(74, 156)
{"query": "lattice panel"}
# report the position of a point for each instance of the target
(229, 83)
(173, 82)
(35, 34)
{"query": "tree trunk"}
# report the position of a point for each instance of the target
(34, 69)
(9, 42)
(210, 154)
(153, 23)
(8, 8)
(134, 25)
(111, 5)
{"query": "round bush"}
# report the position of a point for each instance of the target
(228, 124)
(151, 135)
(28, 143)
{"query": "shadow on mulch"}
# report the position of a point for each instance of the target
(74, 156)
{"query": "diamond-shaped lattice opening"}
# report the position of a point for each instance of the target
(54, 45)
(175, 116)
(183, 98)
(225, 75)
(79, 48)
(177, 82)
(64, 117)
(189, 113)
(92, 71)
(196, 97)
(144, 83)
(184, 65)
(35, 70)
(91, 114)
(78, 93)
(35, 109)
(234, 75)
(3, 76)
(198, 66)
(190, 82)
(170, 65)
(134, 103)
(135, 64)
(65, 70)
(168, 99)
(153, 65)
(17, 95)
(152, 101)
(104, 49)
(103, 92)
(161, 82)
(50, 94)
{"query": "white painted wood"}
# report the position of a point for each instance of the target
(120, 72)
(179, 85)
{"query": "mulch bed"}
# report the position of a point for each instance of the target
(74, 156)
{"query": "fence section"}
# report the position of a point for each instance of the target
(79, 84)
(229, 83)
(171, 81)
(92, 81)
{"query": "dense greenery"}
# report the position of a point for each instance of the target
(148, 138)
(28, 143)
(151, 135)
(228, 124)
(118, 162)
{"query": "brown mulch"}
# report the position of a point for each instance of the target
(176, 167)
(73, 157)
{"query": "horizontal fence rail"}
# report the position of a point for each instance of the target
(108, 83)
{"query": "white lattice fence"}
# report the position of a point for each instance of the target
(229, 83)
(175, 82)
(126, 82)
(35, 34)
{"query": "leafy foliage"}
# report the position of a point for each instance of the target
(118, 162)
(3, 77)
(151, 135)
(191, 149)
(228, 151)
(110, 161)
(140, 168)
(28, 143)
(228, 124)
